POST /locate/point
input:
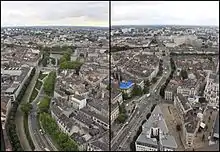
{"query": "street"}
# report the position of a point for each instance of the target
(41, 141)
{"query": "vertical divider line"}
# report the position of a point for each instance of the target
(109, 58)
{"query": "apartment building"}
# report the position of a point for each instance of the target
(211, 92)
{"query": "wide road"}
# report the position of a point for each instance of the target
(40, 140)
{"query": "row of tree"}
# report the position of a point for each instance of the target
(160, 71)
(49, 83)
(122, 114)
(173, 69)
(64, 142)
(49, 124)
(10, 124)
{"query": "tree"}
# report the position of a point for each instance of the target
(49, 83)
(125, 96)
(44, 104)
(162, 91)
(154, 80)
(184, 74)
(26, 108)
(53, 61)
(108, 87)
(121, 118)
(145, 90)
(136, 91)
(178, 127)
(146, 83)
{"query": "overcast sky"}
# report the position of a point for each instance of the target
(96, 13)
(54, 13)
(165, 12)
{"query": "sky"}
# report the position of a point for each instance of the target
(165, 13)
(96, 13)
(55, 13)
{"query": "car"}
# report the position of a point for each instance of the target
(155, 90)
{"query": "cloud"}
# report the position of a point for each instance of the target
(54, 13)
(166, 12)
(95, 13)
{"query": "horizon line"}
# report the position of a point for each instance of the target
(8, 26)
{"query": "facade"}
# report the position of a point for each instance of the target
(77, 102)
(189, 120)
(168, 95)
(211, 92)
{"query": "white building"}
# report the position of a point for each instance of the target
(77, 102)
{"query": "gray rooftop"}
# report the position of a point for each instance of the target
(156, 120)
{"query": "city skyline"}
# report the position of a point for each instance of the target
(83, 14)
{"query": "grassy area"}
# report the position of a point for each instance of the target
(38, 84)
(33, 95)
(27, 132)
(42, 76)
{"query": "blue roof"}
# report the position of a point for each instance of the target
(126, 85)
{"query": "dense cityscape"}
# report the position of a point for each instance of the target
(131, 88)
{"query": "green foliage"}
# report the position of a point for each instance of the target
(42, 76)
(44, 104)
(178, 127)
(33, 95)
(53, 61)
(125, 96)
(137, 91)
(122, 108)
(121, 118)
(122, 114)
(65, 62)
(108, 87)
(61, 139)
(154, 80)
(49, 83)
(38, 85)
(26, 107)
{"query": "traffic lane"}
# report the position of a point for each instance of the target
(117, 144)
(125, 131)
(36, 131)
(43, 140)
